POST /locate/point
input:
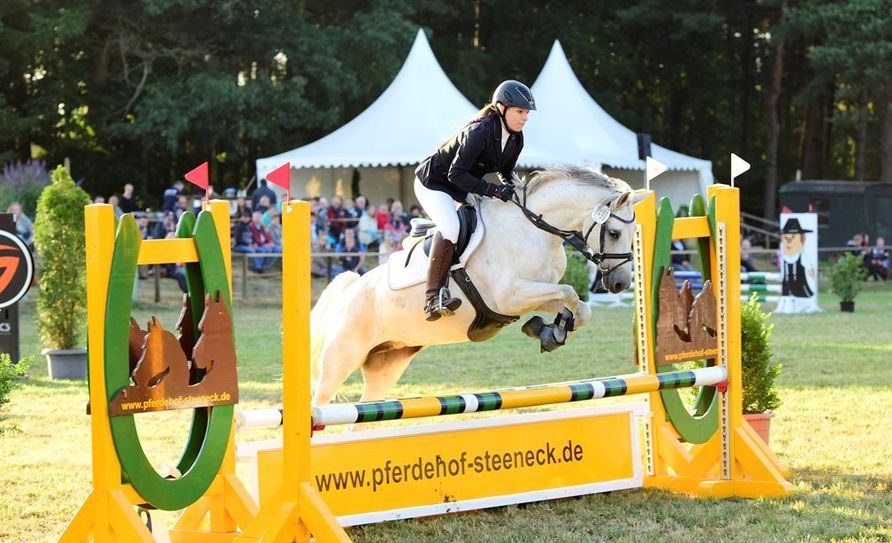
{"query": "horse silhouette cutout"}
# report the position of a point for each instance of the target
(686, 325)
(214, 352)
(160, 369)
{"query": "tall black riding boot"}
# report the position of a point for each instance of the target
(439, 303)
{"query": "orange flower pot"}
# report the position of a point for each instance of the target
(761, 423)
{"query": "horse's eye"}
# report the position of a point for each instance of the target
(614, 234)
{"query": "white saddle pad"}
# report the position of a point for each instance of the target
(402, 274)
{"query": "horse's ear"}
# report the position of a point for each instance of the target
(620, 201)
(208, 300)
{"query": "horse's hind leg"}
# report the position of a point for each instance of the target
(383, 369)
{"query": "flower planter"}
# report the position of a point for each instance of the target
(66, 364)
(847, 306)
(761, 423)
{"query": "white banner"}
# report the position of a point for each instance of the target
(798, 263)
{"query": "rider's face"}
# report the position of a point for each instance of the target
(516, 118)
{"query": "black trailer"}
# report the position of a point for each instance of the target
(844, 208)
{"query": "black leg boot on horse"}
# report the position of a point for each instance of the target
(439, 302)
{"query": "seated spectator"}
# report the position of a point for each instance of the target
(877, 261)
(263, 242)
(397, 227)
(337, 219)
(382, 216)
(353, 262)
(24, 228)
(855, 245)
(387, 248)
(362, 203)
(99, 200)
(320, 265)
(166, 226)
(368, 227)
(396, 210)
(243, 241)
(142, 222)
(113, 201)
(746, 257)
(353, 213)
(182, 205)
(242, 206)
(415, 212)
(275, 229)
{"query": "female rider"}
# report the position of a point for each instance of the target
(490, 143)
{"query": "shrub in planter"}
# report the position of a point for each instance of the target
(576, 274)
(59, 238)
(759, 374)
(847, 277)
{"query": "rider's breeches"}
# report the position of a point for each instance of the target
(441, 209)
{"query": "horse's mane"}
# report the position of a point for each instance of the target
(580, 175)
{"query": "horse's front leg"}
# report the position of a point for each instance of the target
(530, 296)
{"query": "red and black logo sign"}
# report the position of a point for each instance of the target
(16, 269)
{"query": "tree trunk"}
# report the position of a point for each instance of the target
(885, 140)
(861, 142)
(771, 173)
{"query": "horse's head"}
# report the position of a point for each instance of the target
(610, 238)
(591, 211)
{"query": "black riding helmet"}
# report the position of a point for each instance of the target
(514, 94)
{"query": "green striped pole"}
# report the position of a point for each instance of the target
(536, 395)
(509, 398)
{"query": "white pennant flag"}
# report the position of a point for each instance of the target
(653, 168)
(738, 166)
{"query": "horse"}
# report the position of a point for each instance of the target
(359, 322)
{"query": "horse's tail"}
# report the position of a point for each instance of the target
(327, 299)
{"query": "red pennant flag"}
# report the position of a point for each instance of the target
(281, 176)
(199, 176)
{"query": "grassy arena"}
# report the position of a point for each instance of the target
(833, 429)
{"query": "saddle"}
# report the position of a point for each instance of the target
(408, 267)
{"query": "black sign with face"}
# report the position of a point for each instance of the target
(16, 269)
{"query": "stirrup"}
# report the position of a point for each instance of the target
(441, 305)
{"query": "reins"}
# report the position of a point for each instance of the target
(575, 238)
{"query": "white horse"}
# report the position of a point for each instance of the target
(359, 322)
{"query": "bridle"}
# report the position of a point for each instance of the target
(578, 240)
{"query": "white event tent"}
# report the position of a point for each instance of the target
(418, 111)
(422, 108)
(570, 126)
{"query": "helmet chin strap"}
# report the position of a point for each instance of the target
(504, 120)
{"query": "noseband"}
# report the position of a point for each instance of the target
(577, 239)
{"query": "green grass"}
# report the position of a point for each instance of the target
(833, 429)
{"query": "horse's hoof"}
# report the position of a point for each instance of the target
(548, 340)
(533, 326)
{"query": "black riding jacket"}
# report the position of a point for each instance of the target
(458, 165)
